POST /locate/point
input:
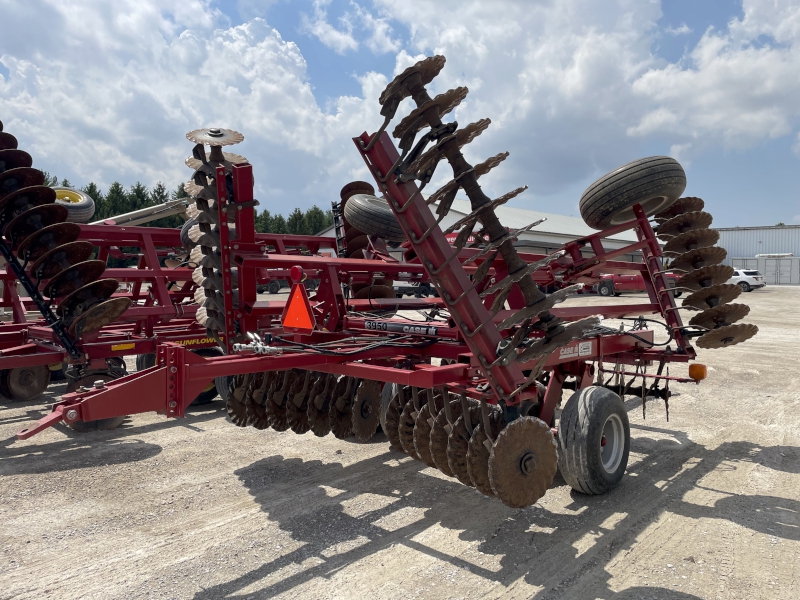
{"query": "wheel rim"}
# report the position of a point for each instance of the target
(68, 196)
(743, 286)
(612, 444)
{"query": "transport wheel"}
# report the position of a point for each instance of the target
(146, 361)
(373, 216)
(594, 440)
(99, 424)
(186, 241)
(80, 206)
(274, 287)
(745, 286)
(655, 183)
(605, 289)
(24, 383)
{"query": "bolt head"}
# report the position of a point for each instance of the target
(99, 384)
(72, 415)
(173, 369)
(173, 404)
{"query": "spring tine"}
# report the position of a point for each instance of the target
(511, 235)
(422, 72)
(445, 103)
(463, 236)
(429, 160)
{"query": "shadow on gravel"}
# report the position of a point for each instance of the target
(343, 514)
(93, 449)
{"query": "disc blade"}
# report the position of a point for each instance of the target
(16, 179)
(458, 443)
(478, 453)
(36, 244)
(393, 412)
(33, 220)
(405, 429)
(74, 278)
(727, 314)
(440, 432)
(92, 293)
(690, 221)
(24, 199)
(277, 396)
(695, 259)
(98, 316)
(729, 335)
(691, 240)
(366, 410)
(297, 403)
(237, 411)
(214, 136)
(14, 159)
(59, 258)
(319, 406)
(706, 276)
(523, 462)
(682, 205)
(340, 414)
(713, 296)
(255, 399)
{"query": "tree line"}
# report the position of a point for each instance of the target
(117, 200)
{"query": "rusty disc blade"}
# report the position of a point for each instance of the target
(33, 220)
(235, 159)
(319, 406)
(44, 240)
(729, 335)
(523, 462)
(682, 205)
(478, 453)
(713, 296)
(255, 399)
(7, 141)
(16, 179)
(275, 406)
(14, 159)
(445, 103)
(59, 258)
(98, 316)
(405, 430)
(458, 443)
(366, 410)
(24, 199)
(727, 314)
(353, 188)
(297, 404)
(695, 259)
(705, 277)
(25, 383)
(393, 412)
(74, 278)
(377, 292)
(691, 240)
(690, 221)
(237, 411)
(340, 414)
(422, 429)
(214, 136)
(92, 293)
(440, 431)
(396, 91)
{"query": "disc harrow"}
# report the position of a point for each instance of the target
(483, 412)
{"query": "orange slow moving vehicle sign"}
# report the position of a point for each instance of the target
(297, 316)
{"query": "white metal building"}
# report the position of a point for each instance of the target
(758, 248)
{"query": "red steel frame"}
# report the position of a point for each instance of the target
(470, 337)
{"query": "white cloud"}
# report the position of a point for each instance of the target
(340, 41)
(380, 40)
(682, 29)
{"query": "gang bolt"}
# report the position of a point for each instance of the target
(72, 415)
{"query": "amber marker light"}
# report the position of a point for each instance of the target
(698, 372)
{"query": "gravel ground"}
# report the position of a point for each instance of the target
(198, 508)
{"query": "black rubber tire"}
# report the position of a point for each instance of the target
(274, 287)
(79, 205)
(311, 284)
(745, 286)
(655, 182)
(186, 241)
(145, 361)
(580, 437)
(605, 289)
(373, 216)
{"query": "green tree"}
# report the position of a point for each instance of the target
(180, 192)
(264, 222)
(50, 180)
(316, 220)
(65, 183)
(137, 197)
(160, 195)
(94, 192)
(116, 202)
(780, 224)
(296, 224)
(278, 224)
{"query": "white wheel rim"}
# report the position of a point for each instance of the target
(612, 444)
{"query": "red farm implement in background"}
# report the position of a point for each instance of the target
(470, 381)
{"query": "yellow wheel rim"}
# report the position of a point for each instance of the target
(68, 196)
